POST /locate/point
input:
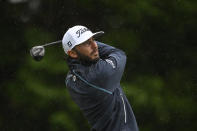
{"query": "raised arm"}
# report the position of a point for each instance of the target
(109, 69)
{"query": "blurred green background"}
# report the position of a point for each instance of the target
(159, 38)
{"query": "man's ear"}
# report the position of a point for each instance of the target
(72, 54)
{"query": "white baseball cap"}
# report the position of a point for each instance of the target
(77, 35)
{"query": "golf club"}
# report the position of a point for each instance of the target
(37, 52)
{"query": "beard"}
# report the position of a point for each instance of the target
(86, 60)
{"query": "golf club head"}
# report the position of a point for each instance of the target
(37, 52)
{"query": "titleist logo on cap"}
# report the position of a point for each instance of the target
(81, 31)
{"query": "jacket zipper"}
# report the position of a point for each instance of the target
(125, 113)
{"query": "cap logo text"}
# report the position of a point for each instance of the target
(81, 31)
(69, 44)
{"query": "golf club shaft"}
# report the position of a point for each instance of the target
(55, 42)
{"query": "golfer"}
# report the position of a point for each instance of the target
(93, 81)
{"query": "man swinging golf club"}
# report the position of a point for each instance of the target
(93, 81)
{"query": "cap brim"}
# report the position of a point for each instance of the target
(97, 34)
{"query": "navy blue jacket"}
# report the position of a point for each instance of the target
(96, 90)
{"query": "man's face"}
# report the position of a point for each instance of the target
(87, 51)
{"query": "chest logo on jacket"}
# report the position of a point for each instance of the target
(81, 31)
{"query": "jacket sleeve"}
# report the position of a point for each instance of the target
(110, 67)
(105, 50)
